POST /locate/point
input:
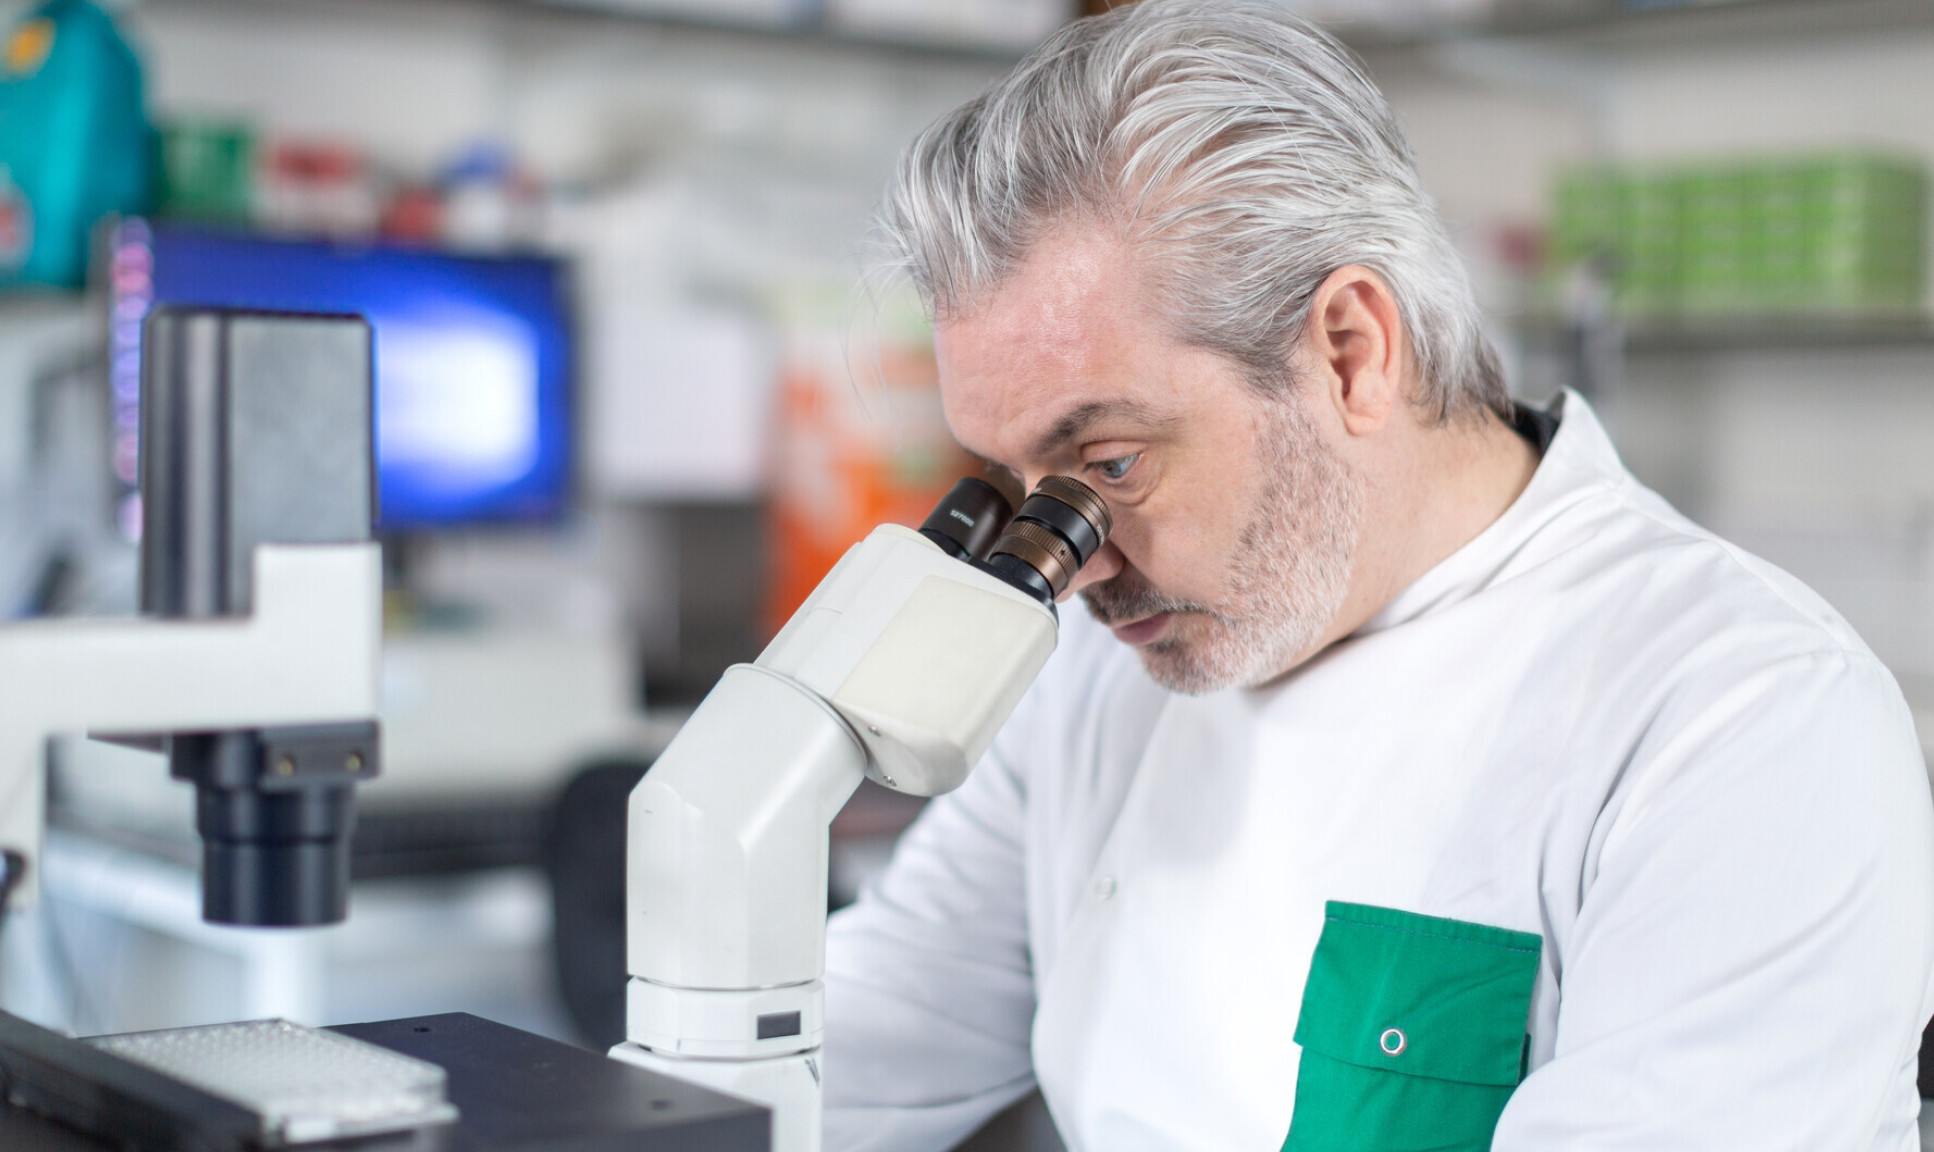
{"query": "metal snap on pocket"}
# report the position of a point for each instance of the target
(1392, 1042)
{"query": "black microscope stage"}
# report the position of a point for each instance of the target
(516, 1092)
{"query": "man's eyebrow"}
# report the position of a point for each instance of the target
(1080, 419)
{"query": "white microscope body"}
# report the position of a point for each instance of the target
(257, 662)
(308, 653)
(902, 666)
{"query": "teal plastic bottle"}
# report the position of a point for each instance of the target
(74, 141)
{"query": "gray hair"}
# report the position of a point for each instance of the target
(1245, 149)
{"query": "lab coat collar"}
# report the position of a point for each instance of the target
(1579, 463)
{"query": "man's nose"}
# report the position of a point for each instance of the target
(1105, 564)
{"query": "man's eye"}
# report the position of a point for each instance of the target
(1118, 467)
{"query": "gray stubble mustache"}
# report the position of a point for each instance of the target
(1112, 602)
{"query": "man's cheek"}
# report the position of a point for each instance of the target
(1172, 559)
(1155, 575)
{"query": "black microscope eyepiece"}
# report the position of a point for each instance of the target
(1038, 549)
(968, 519)
(1058, 528)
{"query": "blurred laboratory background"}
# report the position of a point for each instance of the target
(636, 390)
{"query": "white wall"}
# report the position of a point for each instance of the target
(412, 82)
(1863, 87)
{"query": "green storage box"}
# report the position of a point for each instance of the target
(1832, 235)
(207, 171)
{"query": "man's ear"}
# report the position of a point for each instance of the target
(1354, 348)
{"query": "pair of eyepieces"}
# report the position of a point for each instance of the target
(1038, 548)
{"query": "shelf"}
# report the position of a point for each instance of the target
(1614, 27)
(1751, 335)
(809, 34)
(1611, 26)
(527, 15)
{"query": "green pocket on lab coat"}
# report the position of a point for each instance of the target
(1412, 1030)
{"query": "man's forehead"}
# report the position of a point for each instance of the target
(1068, 303)
(1022, 408)
(1065, 339)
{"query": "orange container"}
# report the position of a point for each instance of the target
(859, 440)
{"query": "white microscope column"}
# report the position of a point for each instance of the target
(902, 665)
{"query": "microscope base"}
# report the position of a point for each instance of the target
(789, 1085)
(514, 1092)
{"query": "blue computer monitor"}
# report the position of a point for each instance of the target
(473, 358)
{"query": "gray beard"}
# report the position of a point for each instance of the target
(1291, 571)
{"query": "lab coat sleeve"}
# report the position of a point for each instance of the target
(929, 990)
(1750, 965)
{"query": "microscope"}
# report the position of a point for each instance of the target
(255, 668)
(254, 664)
(900, 667)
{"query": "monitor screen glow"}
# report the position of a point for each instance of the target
(473, 372)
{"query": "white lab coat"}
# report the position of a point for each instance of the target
(1595, 722)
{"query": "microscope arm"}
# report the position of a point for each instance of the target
(902, 666)
(308, 653)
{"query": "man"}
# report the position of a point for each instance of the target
(1438, 786)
